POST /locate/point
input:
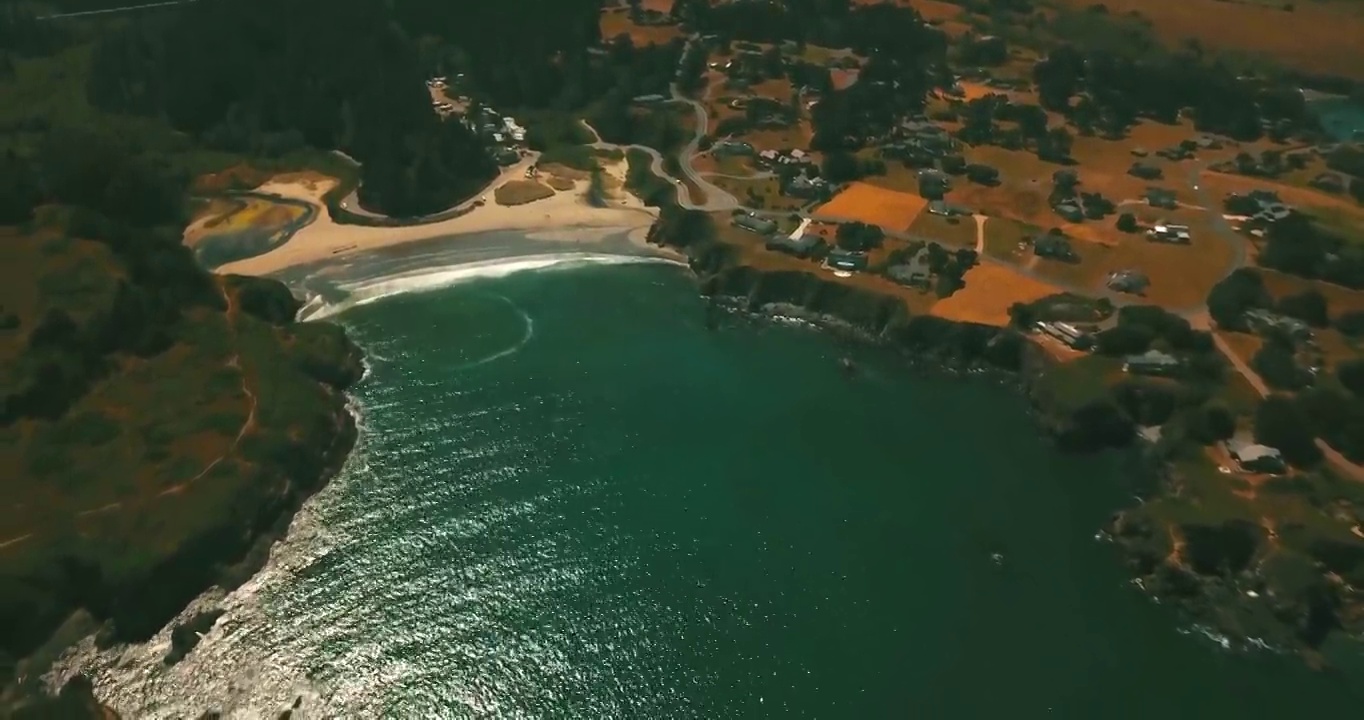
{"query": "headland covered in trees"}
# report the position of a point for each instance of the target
(815, 154)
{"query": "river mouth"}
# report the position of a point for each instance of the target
(625, 514)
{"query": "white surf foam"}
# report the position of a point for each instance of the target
(428, 279)
(529, 333)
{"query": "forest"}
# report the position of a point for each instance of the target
(241, 78)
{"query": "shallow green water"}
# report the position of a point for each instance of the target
(622, 514)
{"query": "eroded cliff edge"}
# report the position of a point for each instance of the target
(166, 423)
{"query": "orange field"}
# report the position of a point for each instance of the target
(1316, 37)
(990, 290)
(875, 206)
(617, 21)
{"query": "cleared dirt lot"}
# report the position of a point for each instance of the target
(1316, 37)
(874, 205)
(990, 290)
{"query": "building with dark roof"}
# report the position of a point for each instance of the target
(753, 223)
(1053, 246)
(1128, 281)
(1145, 171)
(915, 272)
(1253, 457)
(1161, 198)
(847, 260)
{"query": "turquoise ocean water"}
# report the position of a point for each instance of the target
(572, 500)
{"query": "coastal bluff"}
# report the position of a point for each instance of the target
(1283, 582)
(166, 424)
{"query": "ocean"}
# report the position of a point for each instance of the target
(573, 499)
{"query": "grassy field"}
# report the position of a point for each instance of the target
(955, 232)
(520, 192)
(874, 205)
(616, 21)
(736, 166)
(1339, 299)
(990, 291)
(1264, 29)
(762, 193)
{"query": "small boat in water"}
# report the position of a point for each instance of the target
(847, 365)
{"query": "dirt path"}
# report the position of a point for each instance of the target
(235, 362)
(15, 540)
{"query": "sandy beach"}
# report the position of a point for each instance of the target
(566, 216)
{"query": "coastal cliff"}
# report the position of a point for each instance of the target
(884, 319)
(1286, 579)
(166, 437)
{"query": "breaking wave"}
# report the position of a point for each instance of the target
(429, 279)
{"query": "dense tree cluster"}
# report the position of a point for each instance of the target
(1299, 246)
(1106, 92)
(240, 77)
(1244, 289)
(905, 57)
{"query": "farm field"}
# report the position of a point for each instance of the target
(1313, 37)
(990, 290)
(957, 232)
(874, 205)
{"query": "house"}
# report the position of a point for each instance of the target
(650, 99)
(1161, 198)
(847, 261)
(1262, 321)
(1068, 334)
(1139, 152)
(1053, 246)
(1070, 211)
(1329, 182)
(939, 207)
(1169, 232)
(914, 273)
(1272, 212)
(806, 187)
(1207, 142)
(731, 148)
(1128, 281)
(1151, 362)
(768, 158)
(1253, 457)
(753, 223)
(1145, 171)
(799, 245)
